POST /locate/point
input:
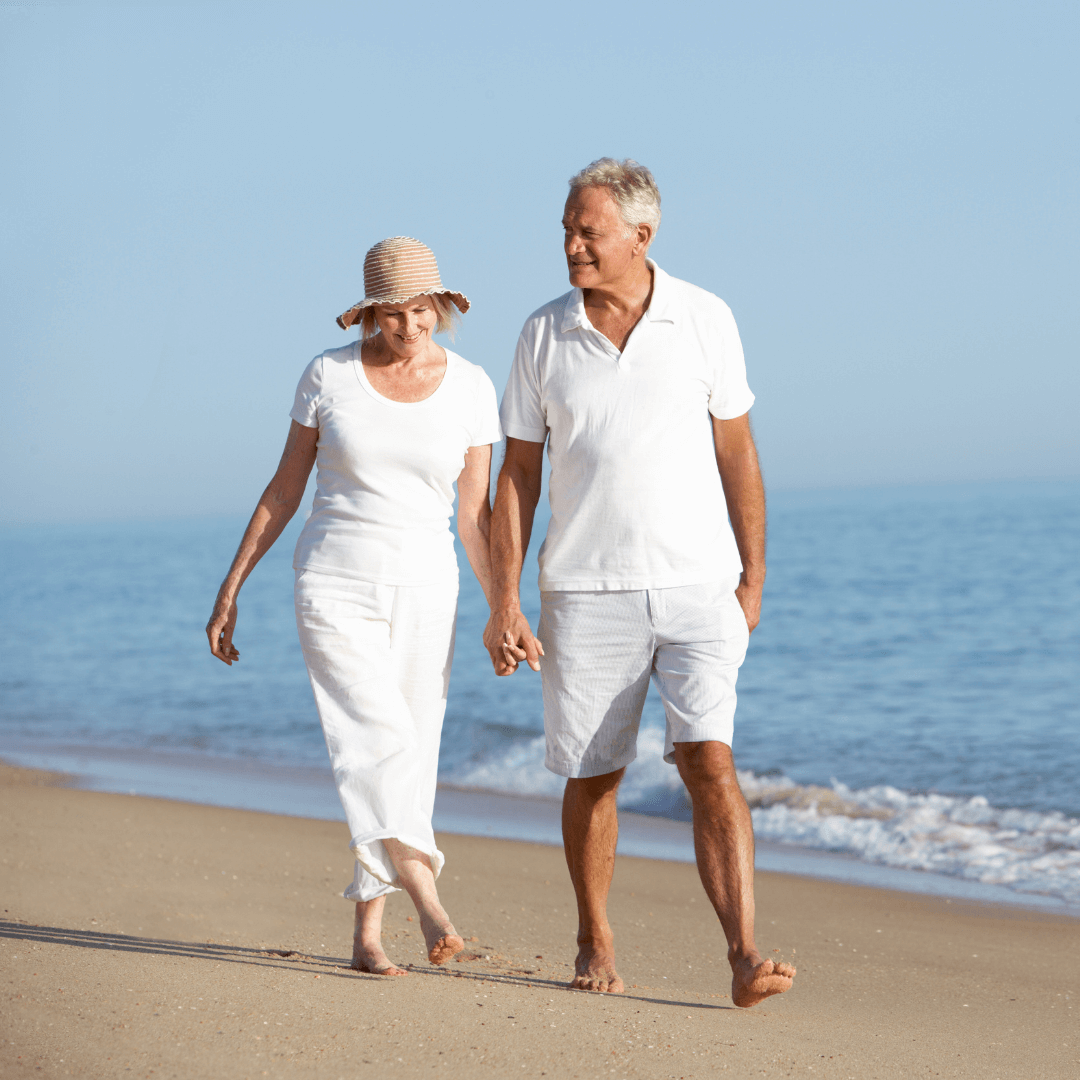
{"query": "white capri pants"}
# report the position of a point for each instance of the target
(379, 658)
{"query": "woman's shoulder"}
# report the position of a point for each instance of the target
(329, 364)
(465, 371)
(340, 357)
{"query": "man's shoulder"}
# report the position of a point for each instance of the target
(547, 316)
(695, 298)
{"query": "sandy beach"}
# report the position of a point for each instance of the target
(144, 937)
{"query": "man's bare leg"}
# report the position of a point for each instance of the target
(724, 845)
(367, 950)
(590, 827)
(417, 879)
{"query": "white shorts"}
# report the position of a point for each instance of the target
(379, 657)
(600, 650)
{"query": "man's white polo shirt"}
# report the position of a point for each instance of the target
(636, 497)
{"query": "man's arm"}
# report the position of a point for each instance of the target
(737, 460)
(508, 636)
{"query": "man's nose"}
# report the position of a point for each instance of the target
(574, 244)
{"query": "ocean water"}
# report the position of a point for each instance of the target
(911, 698)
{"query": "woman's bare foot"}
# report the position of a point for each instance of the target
(754, 979)
(374, 961)
(594, 969)
(367, 950)
(414, 871)
(443, 941)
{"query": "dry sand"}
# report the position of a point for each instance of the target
(149, 938)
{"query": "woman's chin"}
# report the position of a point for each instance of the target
(409, 351)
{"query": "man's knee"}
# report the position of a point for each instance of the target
(594, 788)
(706, 765)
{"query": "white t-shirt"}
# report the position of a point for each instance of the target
(386, 469)
(636, 497)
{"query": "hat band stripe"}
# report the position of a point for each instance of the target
(397, 269)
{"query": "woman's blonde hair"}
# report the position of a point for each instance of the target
(446, 322)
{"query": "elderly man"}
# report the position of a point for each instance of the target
(636, 381)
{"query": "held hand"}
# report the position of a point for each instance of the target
(220, 631)
(509, 640)
(749, 597)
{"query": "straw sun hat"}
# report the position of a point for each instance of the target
(399, 269)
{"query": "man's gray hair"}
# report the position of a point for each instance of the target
(631, 186)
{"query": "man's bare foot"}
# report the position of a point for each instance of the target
(594, 969)
(754, 979)
(373, 960)
(443, 942)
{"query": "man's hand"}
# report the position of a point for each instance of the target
(736, 458)
(509, 639)
(749, 597)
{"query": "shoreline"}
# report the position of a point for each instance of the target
(309, 792)
(151, 937)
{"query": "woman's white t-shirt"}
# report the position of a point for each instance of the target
(386, 469)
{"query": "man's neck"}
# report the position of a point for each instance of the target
(631, 293)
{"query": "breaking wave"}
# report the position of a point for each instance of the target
(1024, 850)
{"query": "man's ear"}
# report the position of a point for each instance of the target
(644, 239)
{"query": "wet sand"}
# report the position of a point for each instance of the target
(143, 937)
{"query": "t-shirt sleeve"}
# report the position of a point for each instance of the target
(305, 410)
(522, 411)
(730, 395)
(486, 426)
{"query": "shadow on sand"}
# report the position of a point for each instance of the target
(289, 960)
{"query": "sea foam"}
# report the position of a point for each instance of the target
(1024, 850)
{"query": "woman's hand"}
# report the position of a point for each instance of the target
(220, 631)
(277, 505)
(509, 640)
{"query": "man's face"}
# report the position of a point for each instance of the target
(597, 250)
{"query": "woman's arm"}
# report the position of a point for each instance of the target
(274, 511)
(474, 513)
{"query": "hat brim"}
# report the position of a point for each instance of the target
(352, 316)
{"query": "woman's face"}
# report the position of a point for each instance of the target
(406, 328)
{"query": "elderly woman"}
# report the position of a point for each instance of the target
(392, 421)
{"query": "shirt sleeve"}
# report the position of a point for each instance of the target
(522, 410)
(305, 410)
(730, 395)
(486, 426)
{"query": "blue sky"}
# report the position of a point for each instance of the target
(886, 195)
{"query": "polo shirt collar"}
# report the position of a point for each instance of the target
(662, 307)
